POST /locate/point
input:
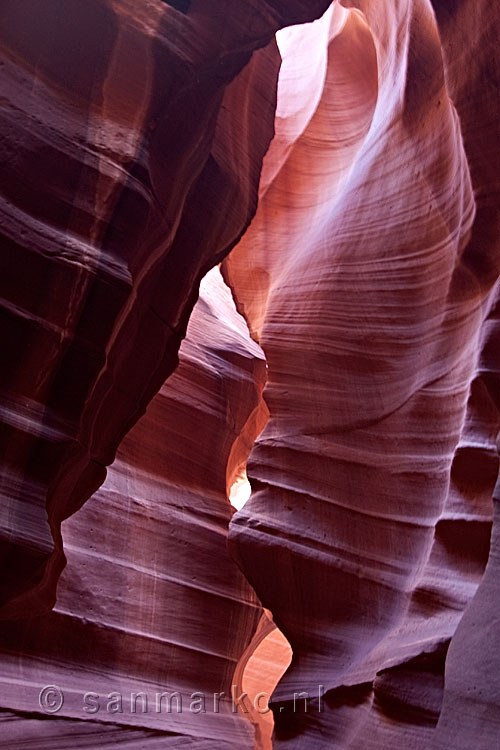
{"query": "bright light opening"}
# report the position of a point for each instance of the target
(240, 492)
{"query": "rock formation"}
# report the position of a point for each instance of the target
(148, 564)
(102, 256)
(346, 178)
(370, 278)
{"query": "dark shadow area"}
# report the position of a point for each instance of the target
(182, 5)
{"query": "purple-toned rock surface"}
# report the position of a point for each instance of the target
(351, 196)
(130, 152)
(150, 602)
(369, 277)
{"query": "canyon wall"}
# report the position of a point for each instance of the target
(152, 615)
(131, 152)
(370, 278)
(351, 194)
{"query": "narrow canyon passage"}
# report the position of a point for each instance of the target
(250, 396)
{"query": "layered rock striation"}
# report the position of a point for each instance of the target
(370, 277)
(152, 615)
(347, 178)
(132, 138)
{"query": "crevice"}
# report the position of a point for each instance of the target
(180, 5)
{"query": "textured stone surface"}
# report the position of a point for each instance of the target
(150, 601)
(369, 277)
(109, 171)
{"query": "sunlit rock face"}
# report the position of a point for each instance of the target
(352, 195)
(369, 277)
(150, 603)
(132, 137)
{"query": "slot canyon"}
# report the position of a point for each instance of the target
(250, 388)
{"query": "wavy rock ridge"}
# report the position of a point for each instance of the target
(370, 278)
(112, 251)
(364, 257)
(133, 611)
